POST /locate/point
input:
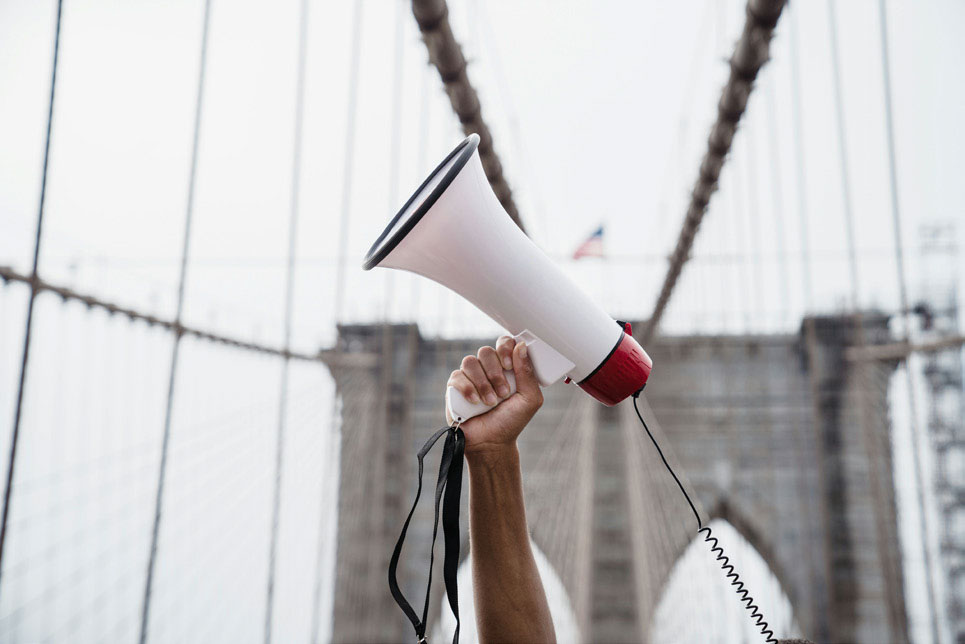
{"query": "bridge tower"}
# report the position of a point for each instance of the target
(780, 435)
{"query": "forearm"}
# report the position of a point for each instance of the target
(508, 594)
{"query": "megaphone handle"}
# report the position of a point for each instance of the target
(461, 410)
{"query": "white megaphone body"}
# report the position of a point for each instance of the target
(454, 231)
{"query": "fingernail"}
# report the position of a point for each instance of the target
(490, 399)
(507, 363)
(474, 399)
(523, 351)
(503, 391)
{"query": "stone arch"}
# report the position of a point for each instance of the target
(696, 575)
(747, 528)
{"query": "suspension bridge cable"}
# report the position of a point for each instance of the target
(7, 274)
(178, 333)
(422, 155)
(802, 206)
(777, 200)
(849, 228)
(289, 302)
(334, 420)
(860, 369)
(344, 221)
(524, 159)
(906, 323)
(754, 215)
(743, 294)
(432, 16)
(675, 164)
(395, 148)
(892, 168)
(804, 234)
(18, 409)
(348, 159)
(750, 54)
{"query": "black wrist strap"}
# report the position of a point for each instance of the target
(449, 483)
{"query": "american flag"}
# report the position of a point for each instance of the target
(592, 247)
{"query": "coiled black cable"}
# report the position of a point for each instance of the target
(715, 548)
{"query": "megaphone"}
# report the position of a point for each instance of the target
(454, 231)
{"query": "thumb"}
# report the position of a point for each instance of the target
(527, 384)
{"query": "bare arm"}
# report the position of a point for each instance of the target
(509, 598)
(510, 602)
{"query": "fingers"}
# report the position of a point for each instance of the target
(482, 377)
(527, 384)
(504, 349)
(474, 371)
(461, 383)
(493, 370)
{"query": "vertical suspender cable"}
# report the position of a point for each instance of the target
(777, 201)
(740, 248)
(843, 156)
(422, 156)
(750, 53)
(178, 331)
(349, 160)
(753, 214)
(395, 145)
(906, 326)
(340, 275)
(893, 170)
(289, 298)
(777, 195)
(18, 409)
(493, 57)
(868, 438)
(802, 205)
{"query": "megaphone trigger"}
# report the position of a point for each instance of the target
(550, 365)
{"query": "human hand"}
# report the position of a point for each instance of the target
(480, 379)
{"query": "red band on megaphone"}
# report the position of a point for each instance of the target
(623, 373)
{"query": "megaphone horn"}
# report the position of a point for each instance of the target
(454, 231)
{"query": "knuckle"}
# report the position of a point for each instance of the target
(468, 362)
(486, 352)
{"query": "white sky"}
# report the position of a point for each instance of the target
(600, 113)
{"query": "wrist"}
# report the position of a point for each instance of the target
(489, 455)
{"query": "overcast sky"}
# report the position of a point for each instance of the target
(600, 113)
